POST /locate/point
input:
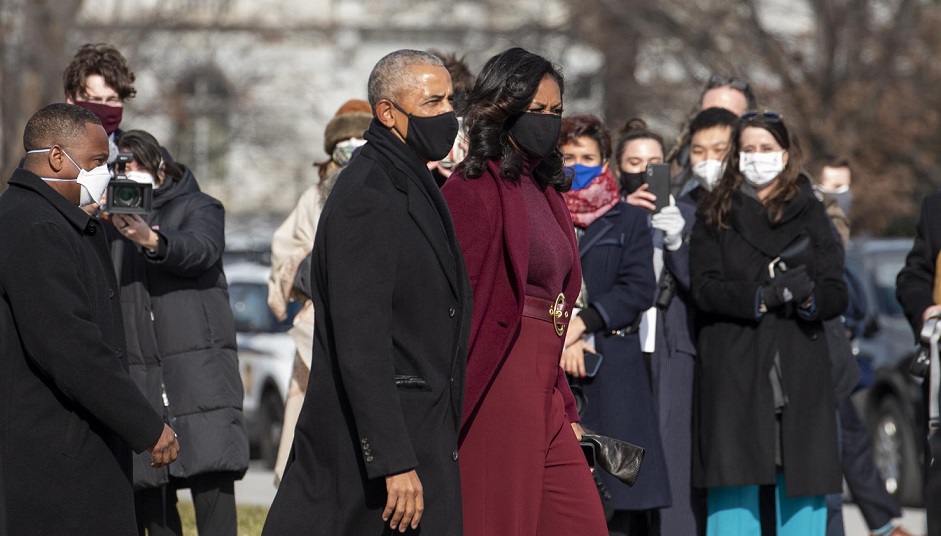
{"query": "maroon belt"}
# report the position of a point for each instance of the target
(555, 312)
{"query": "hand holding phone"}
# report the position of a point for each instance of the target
(658, 183)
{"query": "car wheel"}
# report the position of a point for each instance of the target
(272, 420)
(895, 453)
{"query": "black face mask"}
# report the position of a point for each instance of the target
(430, 137)
(537, 134)
(630, 182)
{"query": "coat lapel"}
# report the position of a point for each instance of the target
(515, 231)
(430, 217)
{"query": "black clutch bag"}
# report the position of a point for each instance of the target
(798, 252)
(619, 458)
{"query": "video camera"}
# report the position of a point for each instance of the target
(126, 196)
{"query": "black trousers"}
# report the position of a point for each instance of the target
(859, 469)
(213, 500)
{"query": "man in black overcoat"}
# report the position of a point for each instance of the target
(376, 442)
(915, 288)
(69, 413)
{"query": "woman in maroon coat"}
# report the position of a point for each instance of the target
(522, 471)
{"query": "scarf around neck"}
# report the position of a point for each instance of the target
(593, 201)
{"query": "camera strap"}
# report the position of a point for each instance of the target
(930, 335)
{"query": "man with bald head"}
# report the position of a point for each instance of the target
(69, 412)
(375, 446)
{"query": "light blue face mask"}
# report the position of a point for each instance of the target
(584, 175)
(93, 183)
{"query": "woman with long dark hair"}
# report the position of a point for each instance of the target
(181, 340)
(522, 471)
(767, 270)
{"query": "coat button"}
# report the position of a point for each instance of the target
(369, 459)
(451, 312)
(454, 455)
(364, 441)
(110, 293)
(91, 230)
(119, 352)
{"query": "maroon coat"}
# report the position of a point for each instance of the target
(491, 226)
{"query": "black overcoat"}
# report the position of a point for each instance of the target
(181, 334)
(386, 383)
(69, 413)
(734, 419)
(915, 282)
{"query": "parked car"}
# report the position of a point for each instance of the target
(266, 356)
(892, 407)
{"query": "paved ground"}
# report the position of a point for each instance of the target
(258, 488)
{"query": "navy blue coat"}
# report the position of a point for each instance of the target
(617, 264)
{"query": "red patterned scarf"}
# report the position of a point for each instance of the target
(591, 202)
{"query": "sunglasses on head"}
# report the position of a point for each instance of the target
(717, 80)
(769, 116)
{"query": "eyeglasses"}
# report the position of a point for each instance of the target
(767, 115)
(717, 80)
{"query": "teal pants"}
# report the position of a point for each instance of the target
(733, 511)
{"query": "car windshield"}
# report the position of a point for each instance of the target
(884, 271)
(249, 302)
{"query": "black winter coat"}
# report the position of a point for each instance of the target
(915, 282)
(390, 343)
(734, 419)
(181, 334)
(69, 414)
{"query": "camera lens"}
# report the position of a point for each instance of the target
(127, 196)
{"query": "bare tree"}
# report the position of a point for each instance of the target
(858, 78)
(33, 36)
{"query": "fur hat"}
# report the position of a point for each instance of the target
(350, 121)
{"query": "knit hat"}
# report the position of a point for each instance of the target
(350, 121)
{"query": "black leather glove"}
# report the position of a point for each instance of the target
(792, 285)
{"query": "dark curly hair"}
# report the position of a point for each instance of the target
(503, 92)
(586, 125)
(101, 59)
(718, 205)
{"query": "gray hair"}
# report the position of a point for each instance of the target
(391, 74)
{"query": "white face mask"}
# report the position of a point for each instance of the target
(709, 172)
(141, 177)
(94, 182)
(760, 169)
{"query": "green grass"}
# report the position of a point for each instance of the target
(251, 519)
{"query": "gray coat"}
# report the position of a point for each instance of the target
(181, 334)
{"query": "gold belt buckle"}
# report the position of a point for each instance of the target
(558, 311)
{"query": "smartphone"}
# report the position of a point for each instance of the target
(658, 183)
(592, 363)
(589, 450)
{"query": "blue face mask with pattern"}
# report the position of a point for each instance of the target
(584, 175)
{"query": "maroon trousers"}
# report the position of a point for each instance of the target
(522, 470)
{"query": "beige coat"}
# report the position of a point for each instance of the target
(291, 244)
